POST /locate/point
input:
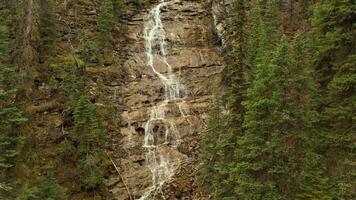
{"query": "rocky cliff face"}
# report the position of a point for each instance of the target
(196, 64)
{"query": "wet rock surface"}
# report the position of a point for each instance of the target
(196, 64)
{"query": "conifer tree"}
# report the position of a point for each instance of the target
(314, 184)
(263, 120)
(276, 125)
(235, 84)
(106, 25)
(90, 134)
(333, 22)
(49, 189)
(209, 155)
(334, 63)
(10, 114)
(89, 131)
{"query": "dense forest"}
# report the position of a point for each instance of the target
(281, 124)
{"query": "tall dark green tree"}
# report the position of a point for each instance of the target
(210, 155)
(256, 148)
(225, 134)
(235, 80)
(10, 114)
(334, 40)
(11, 117)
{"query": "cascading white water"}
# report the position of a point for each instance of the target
(160, 164)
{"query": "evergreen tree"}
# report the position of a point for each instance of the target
(235, 89)
(334, 63)
(209, 155)
(49, 189)
(74, 81)
(333, 32)
(314, 184)
(90, 135)
(106, 25)
(10, 115)
(89, 131)
(276, 125)
(255, 152)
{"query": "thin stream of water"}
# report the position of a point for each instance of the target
(160, 164)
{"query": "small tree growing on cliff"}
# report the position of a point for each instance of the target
(119, 7)
(106, 25)
(90, 134)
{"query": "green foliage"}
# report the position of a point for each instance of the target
(74, 80)
(91, 136)
(10, 115)
(92, 171)
(333, 22)
(209, 156)
(314, 184)
(88, 49)
(335, 64)
(291, 137)
(119, 7)
(89, 131)
(106, 24)
(48, 189)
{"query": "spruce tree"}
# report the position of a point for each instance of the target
(234, 81)
(276, 126)
(314, 183)
(90, 135)
(89, 130)
(209, 156)
(335, 66)
(106, 25)
(49, 189)
(11, 116)
(255, 152)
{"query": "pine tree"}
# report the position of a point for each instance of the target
(276, 125)
(256, 161)
(333, 22)
(234, 80)
(11, 116)
(208, 176)
(49, 189)
(89, 130)
(314, 184)
(334, 63)
(106, 25)
(90, 134)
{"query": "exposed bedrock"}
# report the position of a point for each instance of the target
(196, 64)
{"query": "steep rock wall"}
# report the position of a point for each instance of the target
(196, 65)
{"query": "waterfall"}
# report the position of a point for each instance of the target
(160, 163)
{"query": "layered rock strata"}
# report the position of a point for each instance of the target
(196, 65)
